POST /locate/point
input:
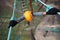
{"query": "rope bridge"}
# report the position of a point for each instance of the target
(48, 7)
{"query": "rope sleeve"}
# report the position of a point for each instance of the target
(53, 11)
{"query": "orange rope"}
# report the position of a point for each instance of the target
(31, 8)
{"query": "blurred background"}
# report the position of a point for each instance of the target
(18, 32)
